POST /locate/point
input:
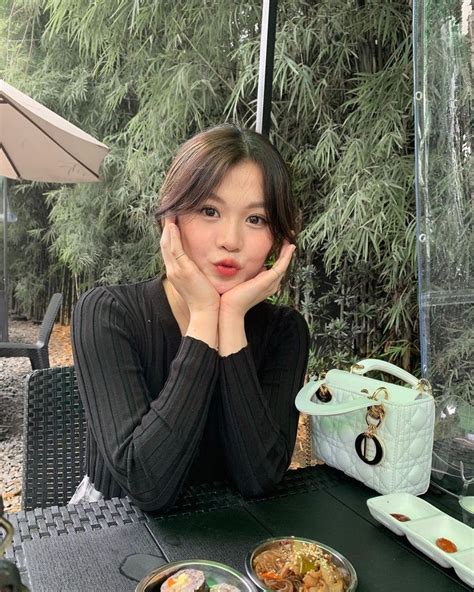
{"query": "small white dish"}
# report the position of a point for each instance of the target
(463, 564)
(426, 524)
(423, 534)
(382, 507)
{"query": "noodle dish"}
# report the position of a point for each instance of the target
(300, 565)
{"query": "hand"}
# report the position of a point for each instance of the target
(243, 297)
(185, 276)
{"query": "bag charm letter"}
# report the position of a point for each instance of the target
(376, 414)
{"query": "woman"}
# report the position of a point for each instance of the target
(192, 377)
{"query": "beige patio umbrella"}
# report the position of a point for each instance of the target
(39, 145)
(36, 144)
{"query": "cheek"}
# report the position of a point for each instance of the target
(186, 240)
(192, 237)
(194, 249)
(265, 247)
(258, 254)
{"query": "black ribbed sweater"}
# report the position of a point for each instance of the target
(165, 410)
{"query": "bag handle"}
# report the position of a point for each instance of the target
(367, 365)
(304, 403)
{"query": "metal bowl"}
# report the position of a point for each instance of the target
(218, 572)
(339, 560)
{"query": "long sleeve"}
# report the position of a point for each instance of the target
(147, 439)
(258, 415)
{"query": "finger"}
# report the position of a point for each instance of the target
(176, 246)
(276, 272)
(168, 220)
(287, 248)
(281, 264)
(165, 234)
(167, 248)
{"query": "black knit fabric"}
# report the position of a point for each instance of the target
(165, 410)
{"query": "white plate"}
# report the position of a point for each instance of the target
(383, 506)
(427, 524)
(423, 534)
(463, 564)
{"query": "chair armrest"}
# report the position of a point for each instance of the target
(48, 320)
(14, 345)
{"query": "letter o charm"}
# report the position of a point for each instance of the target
(323, 394)
(361, 448)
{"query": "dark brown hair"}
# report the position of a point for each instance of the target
(201, 163)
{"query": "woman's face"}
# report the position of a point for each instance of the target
(229, 238)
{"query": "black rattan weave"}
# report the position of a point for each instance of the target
(59, 521)
(54, 436)
(84, 517)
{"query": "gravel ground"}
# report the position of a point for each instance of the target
(12, 376)
(13, 372)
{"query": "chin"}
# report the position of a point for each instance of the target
(223, 288)
(222, 285)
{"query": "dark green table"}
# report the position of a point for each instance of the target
(103, 546)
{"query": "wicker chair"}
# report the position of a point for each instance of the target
(37, 352)
(54, 437)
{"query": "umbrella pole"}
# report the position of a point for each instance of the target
(4, 283)
(265, 73)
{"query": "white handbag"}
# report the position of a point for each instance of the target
(374, 431)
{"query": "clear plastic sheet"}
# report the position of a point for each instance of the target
(444, 63)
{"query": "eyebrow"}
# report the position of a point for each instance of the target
(250, 206)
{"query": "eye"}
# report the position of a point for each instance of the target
(257, 220)
(209, 212)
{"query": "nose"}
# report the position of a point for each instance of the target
(230, 236)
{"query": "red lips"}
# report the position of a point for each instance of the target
(227, 267)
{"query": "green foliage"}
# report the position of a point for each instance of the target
(144, 76)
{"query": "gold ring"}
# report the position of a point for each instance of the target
(180, 255)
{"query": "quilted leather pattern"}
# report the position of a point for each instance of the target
(406, 434)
